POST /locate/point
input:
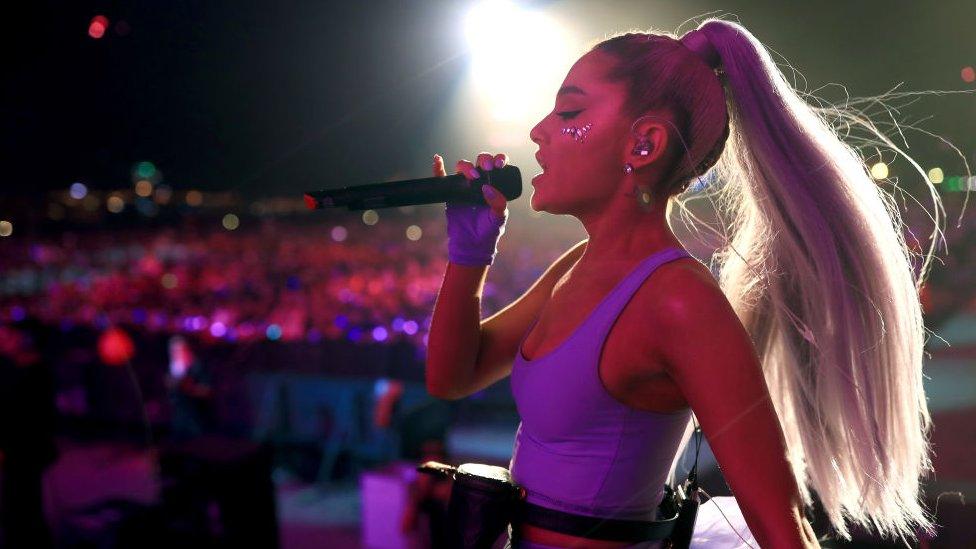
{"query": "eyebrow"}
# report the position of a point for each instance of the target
(569, 89)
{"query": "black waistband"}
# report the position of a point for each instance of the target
(592, 527)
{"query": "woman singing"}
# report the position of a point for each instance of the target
(802, 361)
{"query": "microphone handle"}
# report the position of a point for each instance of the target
(427, 190)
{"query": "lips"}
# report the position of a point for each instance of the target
(541, 161)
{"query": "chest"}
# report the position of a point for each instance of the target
(630, 365)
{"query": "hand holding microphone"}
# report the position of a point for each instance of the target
(475, 199)
(473, 230)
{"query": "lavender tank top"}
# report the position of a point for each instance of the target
(577, 448)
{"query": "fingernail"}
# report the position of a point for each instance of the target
(499, 162)
(474, 173)
(486, 164)
(490, 191)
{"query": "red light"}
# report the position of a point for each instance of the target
(97, 27)
(310, 202)
(968, 74)
(115, 347)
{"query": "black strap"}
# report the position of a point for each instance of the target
(614, 529)
(592, 527)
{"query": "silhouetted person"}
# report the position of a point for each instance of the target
(27, 420)
(191, 391)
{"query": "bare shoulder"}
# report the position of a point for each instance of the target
(688, 300)
(682, 283)
(677, 292)
(692, 313)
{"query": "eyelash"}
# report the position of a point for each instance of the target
(568, 115)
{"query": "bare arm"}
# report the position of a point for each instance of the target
(710, 356)
(465, 354)
(452, 344)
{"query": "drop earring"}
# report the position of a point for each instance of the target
(644, 198)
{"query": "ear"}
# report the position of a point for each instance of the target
(655, 128)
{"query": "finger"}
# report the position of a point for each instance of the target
(486, 161)
(439, 170)
(466, 168)
(501, 160)
(495, 199)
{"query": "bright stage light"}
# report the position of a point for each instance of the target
(519, 56)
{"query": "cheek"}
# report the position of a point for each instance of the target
(591, 157)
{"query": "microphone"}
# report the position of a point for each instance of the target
(426, 190)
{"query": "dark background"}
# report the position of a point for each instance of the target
(276, 97)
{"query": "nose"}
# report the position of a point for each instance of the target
(536, 133)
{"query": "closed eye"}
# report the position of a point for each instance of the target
(569, 114)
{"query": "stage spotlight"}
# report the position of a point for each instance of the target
(518, 58)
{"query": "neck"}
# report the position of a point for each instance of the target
(626, 233)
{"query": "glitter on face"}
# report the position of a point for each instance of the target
(579, 134)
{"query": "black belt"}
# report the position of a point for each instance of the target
(592, 527)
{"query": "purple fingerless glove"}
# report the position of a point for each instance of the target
(472, 233)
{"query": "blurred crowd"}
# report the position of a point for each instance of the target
(295, 278)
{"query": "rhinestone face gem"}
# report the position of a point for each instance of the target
(579, 134)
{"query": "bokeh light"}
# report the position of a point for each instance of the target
(144, 187)
(6, 228)
(879, 170)
(936, 175)
(339, 233)
(968, 74)
(145, 170)
(218, 329)
(146, 207)
(97, 26)
(78, 190)
(370, 217)
(163, 194)
(230, 222)
(115, 204)
(414, 232)
(194, 198)
(410, 327)
(273, 332)
(380, 333)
